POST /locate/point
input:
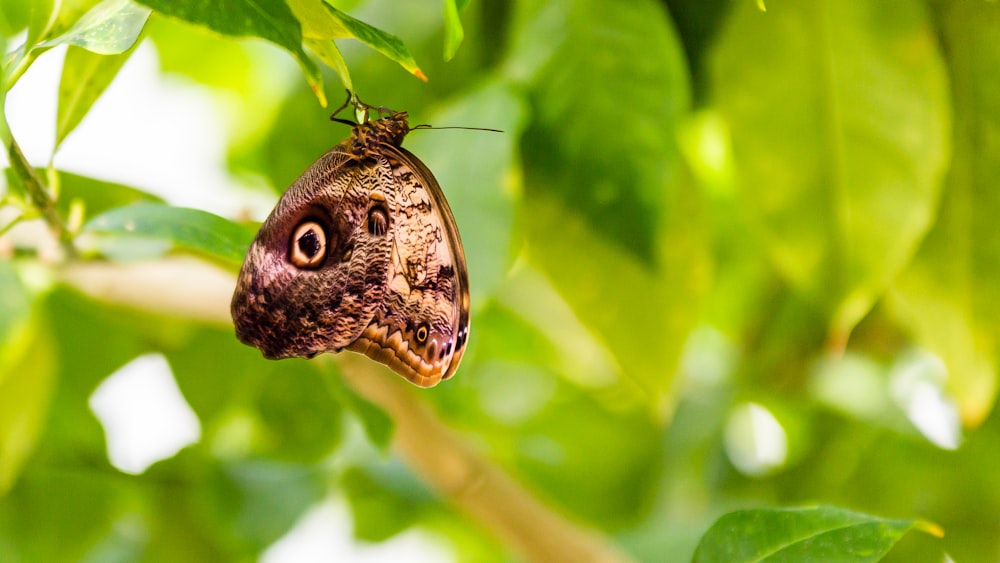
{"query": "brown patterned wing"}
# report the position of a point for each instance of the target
(422, 327)
(315, 275)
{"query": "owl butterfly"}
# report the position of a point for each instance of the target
(360, 253)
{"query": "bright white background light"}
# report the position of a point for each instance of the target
(144, 415)
(755, 441)
(917, 385)
(311, 541)
(153, 132)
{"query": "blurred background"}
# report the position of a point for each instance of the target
(725, 254)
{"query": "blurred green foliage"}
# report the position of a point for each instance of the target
(721, 258)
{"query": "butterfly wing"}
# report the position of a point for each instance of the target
(422, 326)
(362, 252)
(289, 311)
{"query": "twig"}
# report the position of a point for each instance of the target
(39, 195)
(449, 464)
(469, 480)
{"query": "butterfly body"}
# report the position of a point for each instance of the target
(360, 253)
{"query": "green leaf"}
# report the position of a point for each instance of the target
(610, 213)
(305, 134)
(837, 161)
(15, 302)
(85, 75)
(823, 533)
(233, 389)
(5, 136)
(78, 327)
(615, 169)
(302, 421)
(62, 513)
(529, 324)
(379, 512)
(272, 497)
(26, 392)
(453, 32)
(14, 16)
(109, 28)
(203, 55)
(385, 43)
(317, 21)
(698, 23)
(946, 297)
(26, 376)
(539, 31)
(277, 410)
(268, 19)
(592, 282)
(376, 423)
(191, 504)
(148, 230)
(80, 196)
(225, 511)
(328, 52)
(97, 196)
(594, 460)
(41, 19)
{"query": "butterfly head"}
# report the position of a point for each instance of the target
(369, 137)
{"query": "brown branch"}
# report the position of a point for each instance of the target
(457, 471)
(469, 480)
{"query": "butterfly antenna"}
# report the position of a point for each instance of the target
(426, 126)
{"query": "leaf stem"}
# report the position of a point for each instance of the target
(39, 195)
(17, 67)
(11, 224)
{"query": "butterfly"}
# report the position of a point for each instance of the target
(360, 253)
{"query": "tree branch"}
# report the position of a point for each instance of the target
(457, 471)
